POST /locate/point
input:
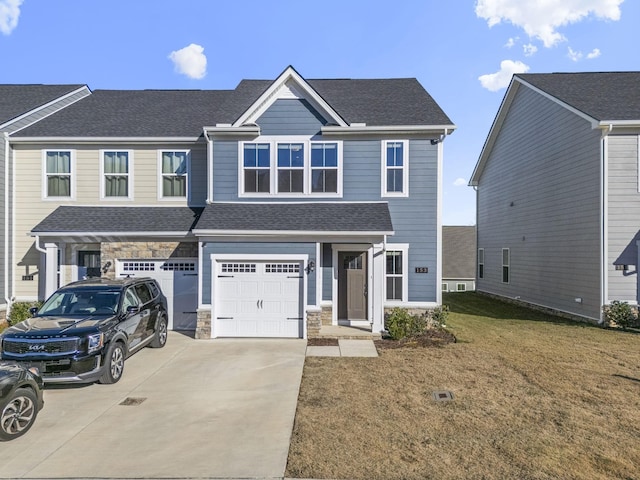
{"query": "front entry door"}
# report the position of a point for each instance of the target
(352, 285)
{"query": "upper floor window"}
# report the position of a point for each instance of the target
(173, 173)
(58, 171)
(116, 171)
(395, 167)
(292, 166)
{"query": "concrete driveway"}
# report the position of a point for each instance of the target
(194, 409)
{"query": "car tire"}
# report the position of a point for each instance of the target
(113, 363)
(18, 414)
(160, 337)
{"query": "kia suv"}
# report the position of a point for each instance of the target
(84, 332)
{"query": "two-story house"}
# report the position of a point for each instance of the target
(558, 193)
(263, 211)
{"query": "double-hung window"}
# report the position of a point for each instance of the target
(324, 168)
(506, 261)
(257, 167)
(116, 171)
(58, 170)
(395, 167)
(173, 168)
(396, 273)
(481, 263)
(290, 166)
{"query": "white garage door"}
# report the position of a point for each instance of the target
(178, 279)
(258, 299)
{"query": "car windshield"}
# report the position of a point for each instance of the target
(81, 302)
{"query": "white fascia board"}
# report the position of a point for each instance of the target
(604, 124)
(286, 233)
(109, 234)
(270, 95)
(46, 105)
(250, 130)
(395, 129)
(102, 140)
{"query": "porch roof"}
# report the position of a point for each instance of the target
(297, 218)
(96, 220)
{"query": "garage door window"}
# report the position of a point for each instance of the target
(238, 268)
(179, 266)
(138, 266)
(282, 268)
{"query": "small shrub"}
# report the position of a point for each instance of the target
(19, 311)
(438, 317)
(401, 324)
(621, 314)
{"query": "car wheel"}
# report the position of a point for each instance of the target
(18, 414)
(114, 364)
(160, 337)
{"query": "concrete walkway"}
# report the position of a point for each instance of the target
(345, 348)
(194, 409)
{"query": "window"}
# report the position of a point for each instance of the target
(461, 287)
(173, 168)
(116, 170)
(324, 167)
(481, 263)
(291, 166)
(445, 287)
(257, 168)
(395, 178)
(394, 271)
(57, 174)
(505, 265)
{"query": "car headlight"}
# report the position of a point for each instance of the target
(95, 342)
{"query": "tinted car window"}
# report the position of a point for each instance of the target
(130, 299)
(154, 289)
(143, 293)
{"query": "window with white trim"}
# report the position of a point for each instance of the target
(461, 287)
(481, 263)
(396, 269)
(116, 168)
(58, 167)
(506, 260)
(395, 168)
(445, 287)
(290, 166)
(173, 173)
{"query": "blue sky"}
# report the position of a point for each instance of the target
(462, 51)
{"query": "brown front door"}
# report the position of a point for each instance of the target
(352, 285)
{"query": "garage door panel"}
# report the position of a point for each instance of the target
(268, 302)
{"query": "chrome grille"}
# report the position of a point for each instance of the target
(25, 347)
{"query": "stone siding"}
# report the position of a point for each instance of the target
(314, 322)
(203, 324)
(112, 251)
(327, 315)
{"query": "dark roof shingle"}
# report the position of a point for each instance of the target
(16, 100)
(601, 95)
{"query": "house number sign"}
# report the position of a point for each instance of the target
(422, 269)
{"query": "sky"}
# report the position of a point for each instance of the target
(463, 52)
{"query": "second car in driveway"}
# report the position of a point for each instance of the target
(86, 330)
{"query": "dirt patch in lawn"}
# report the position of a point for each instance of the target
(322, 342)
(533, 398)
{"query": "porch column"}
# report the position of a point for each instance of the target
(378, 287)
(50, 269)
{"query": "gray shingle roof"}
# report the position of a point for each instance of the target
(183, 113)
(302, 217)
(601, 95)
(16, 100)
(89, 219)
(458, 252)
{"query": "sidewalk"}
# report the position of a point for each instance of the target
(345, 348)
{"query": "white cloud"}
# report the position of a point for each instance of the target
(9, 13)
(595, 53)
(574, 55)
(190, 61)
(459, 182)
(511, 42)
(541, 19)
(501, 79)
(529, 49)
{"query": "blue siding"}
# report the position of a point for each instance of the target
(262, 248)
(225, 170)
(291, 117)
(327, 272)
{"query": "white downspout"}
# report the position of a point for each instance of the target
(604, 218)
(6, 219)
(209, 167)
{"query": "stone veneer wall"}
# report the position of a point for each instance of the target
(327, 315)
(203, 324)
(112, 251)
(314, 322)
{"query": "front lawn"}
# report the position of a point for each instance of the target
(535, 397)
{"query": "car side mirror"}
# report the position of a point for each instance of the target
(33, 311)
(132, 309)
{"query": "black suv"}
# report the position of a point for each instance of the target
(86, 329)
